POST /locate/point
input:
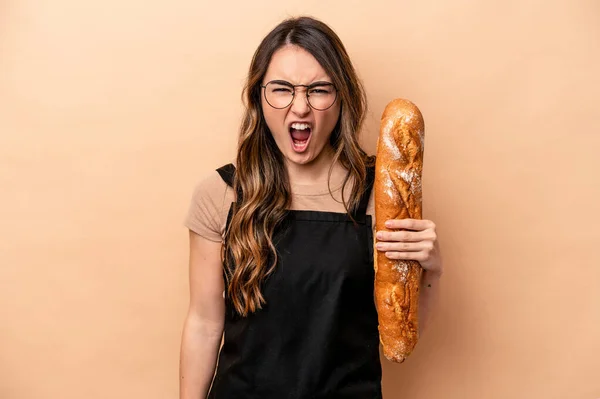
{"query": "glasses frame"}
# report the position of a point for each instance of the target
(307, 87)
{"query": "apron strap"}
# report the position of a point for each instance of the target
(361, 211)
(227, 173)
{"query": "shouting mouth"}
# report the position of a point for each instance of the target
(300, 134)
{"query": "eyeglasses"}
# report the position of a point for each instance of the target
(280, 94)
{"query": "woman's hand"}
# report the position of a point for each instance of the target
(411, 239)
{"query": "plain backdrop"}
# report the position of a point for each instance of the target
(111, 111)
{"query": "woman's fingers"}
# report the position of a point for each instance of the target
(410, 224)
(405, 246)
(406, 236)
(410, 239)
(419, 256)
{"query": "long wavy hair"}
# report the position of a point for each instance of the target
(261, 181)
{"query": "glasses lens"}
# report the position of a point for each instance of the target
(322, 97)
(279, 95)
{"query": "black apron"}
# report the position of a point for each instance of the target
(317, 335)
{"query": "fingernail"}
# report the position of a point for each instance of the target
(388, 224)
(379, 246)
(379, 235)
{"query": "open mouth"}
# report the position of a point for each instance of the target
(300, 133)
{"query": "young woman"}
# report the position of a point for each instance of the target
(281, 261)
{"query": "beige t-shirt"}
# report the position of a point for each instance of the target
(212, 197)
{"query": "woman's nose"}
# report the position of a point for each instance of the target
(300, 103)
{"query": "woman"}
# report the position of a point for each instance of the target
(281, 244)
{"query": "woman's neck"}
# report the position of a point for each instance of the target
(316, 171)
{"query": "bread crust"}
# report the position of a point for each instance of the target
(398, 195)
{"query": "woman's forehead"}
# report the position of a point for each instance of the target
(295, 65)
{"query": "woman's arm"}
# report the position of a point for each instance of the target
(428, 298)
(203, 328)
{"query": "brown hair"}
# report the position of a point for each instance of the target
(261, 179)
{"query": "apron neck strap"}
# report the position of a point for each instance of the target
(361, 211)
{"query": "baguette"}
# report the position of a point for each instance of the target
(398, 195)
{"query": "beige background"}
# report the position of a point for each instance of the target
(111, 110)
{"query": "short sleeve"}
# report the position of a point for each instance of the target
(209, 206)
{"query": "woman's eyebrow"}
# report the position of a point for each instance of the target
(320, 83)
(286, 83)
(282, 82)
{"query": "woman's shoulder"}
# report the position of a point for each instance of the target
(209, 205)
(211, 184)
